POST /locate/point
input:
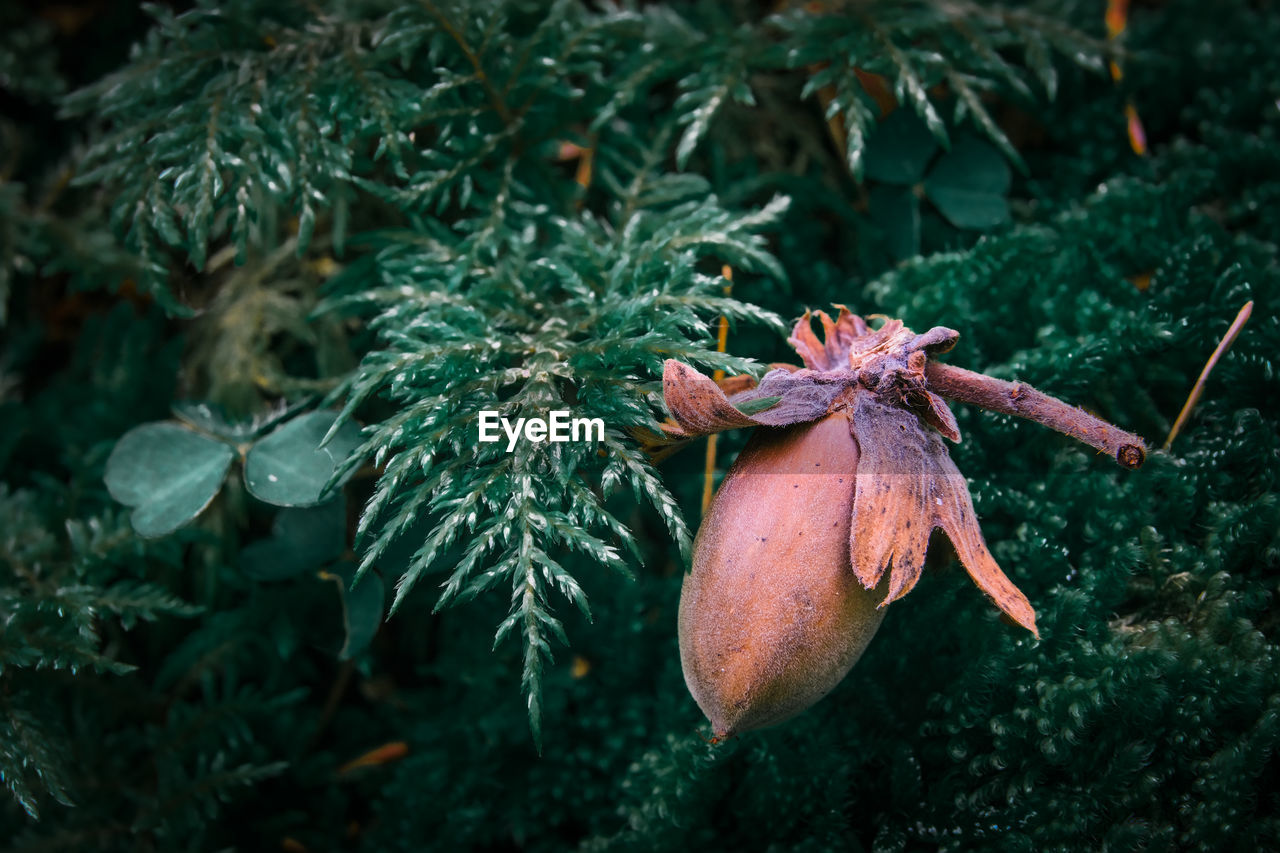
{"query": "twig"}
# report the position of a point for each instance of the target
(1194, 397)
(1016, 398)
(585, 162)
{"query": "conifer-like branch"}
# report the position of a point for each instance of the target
(966, 48)
(492, 341)
(55, 596)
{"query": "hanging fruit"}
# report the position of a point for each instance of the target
(825, 517)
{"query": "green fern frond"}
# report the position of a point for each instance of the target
(30, 755)
(969, 49)
(543, 326)
(56, 595)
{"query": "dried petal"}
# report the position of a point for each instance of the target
(731, 385)
(937, 340)
(697, 403)
(891, 515)
(938, 415)
(907, 486)
(806, 395)
(956, 516)
(700, 407)
(832, 352)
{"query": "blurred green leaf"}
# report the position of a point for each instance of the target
(897, 211)
(899, 150)
(290, 468)
(969, 185)
(211, 418)
(302, 539)
(168, 473)
(363, 604)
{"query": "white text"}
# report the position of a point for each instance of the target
(557, 426)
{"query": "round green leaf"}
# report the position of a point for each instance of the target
(899, 150)
(969, 184)
(167, 473)
(302, 539)
(363, 604)
(290, 468)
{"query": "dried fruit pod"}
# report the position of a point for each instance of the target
(826, 515)
(772, 616)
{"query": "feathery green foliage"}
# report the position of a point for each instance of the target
(970, 48)
(55, 592)
(412, 212)
(578, 322)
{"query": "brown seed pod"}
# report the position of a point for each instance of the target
(772, 616)
(826, 515)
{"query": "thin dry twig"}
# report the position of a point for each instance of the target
(585, 163)
(1017, 398)
(1194, 397)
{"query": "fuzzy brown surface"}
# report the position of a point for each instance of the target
(772, 615)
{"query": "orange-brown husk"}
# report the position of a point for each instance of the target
(772, 616)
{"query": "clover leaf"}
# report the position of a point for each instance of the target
(900, 149)
(289, 467)
(969, 183)
(167, 473)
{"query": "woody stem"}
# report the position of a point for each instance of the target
(1017, 398)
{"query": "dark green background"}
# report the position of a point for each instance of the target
(1146, 717)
